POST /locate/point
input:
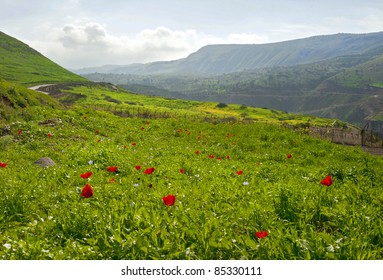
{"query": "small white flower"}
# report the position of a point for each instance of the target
(330, 248)
(245, 183)
(8, 246)
(90, 162)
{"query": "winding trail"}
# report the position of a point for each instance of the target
(37, 88)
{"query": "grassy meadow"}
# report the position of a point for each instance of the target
(179, 187)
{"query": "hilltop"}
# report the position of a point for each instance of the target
(21, 64)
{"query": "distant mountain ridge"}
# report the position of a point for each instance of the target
(221, 59)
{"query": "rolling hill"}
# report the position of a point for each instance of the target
(21, 64)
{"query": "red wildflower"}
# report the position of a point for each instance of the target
(327, 181)
(87, 191)
(149, 170)
(197, 152)
(261, 234)
(99, 140)
(227, 157)
(19, 132)
(86, 175)
(169, 200)
(211, 156)
(142, 128)
(97, 131)
(50, 135)
(134, 144)
(289, 156)
(138, 167)
(3, 164)
(112, 180)
(182, 170)
(239, 172)
(112, 168)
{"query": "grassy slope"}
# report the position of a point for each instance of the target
(123, 100)
(13, 97)
(21, 64)
(216, 213)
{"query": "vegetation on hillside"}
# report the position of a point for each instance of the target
(136, 177)
(175, 188)
(21, 64)
(345, 87)
(13, 97)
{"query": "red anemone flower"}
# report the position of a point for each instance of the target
(197, 152)
(289, 156)
(327, 181)
(134, 144)
(149, 170)
(112, 168)
(211, 156)
(112, 180)
(50, 135)
(3, 164)
(87, 191)
(19, 132)
(169, 200)
(138, 167)
(86, 175)
(182, 170)
(239, 172)
(261, 234)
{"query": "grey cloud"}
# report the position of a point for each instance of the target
(92, 35)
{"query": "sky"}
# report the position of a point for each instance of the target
(89, 33)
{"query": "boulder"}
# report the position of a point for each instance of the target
(45, 162)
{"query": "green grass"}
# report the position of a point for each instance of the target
(218, 210)
(216, 213)
(21, 64)
(120, 100)
(14, 97)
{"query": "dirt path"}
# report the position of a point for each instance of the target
(37, 88)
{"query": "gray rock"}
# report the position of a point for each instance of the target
(45, 162)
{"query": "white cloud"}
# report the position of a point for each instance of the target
(78, 45)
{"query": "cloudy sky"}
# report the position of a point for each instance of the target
(86, 33)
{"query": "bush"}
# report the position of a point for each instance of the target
(221, 105)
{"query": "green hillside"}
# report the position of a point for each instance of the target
(179, 188)
(21, 64)
(14, 97)
(346, 87)
(114, 175)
